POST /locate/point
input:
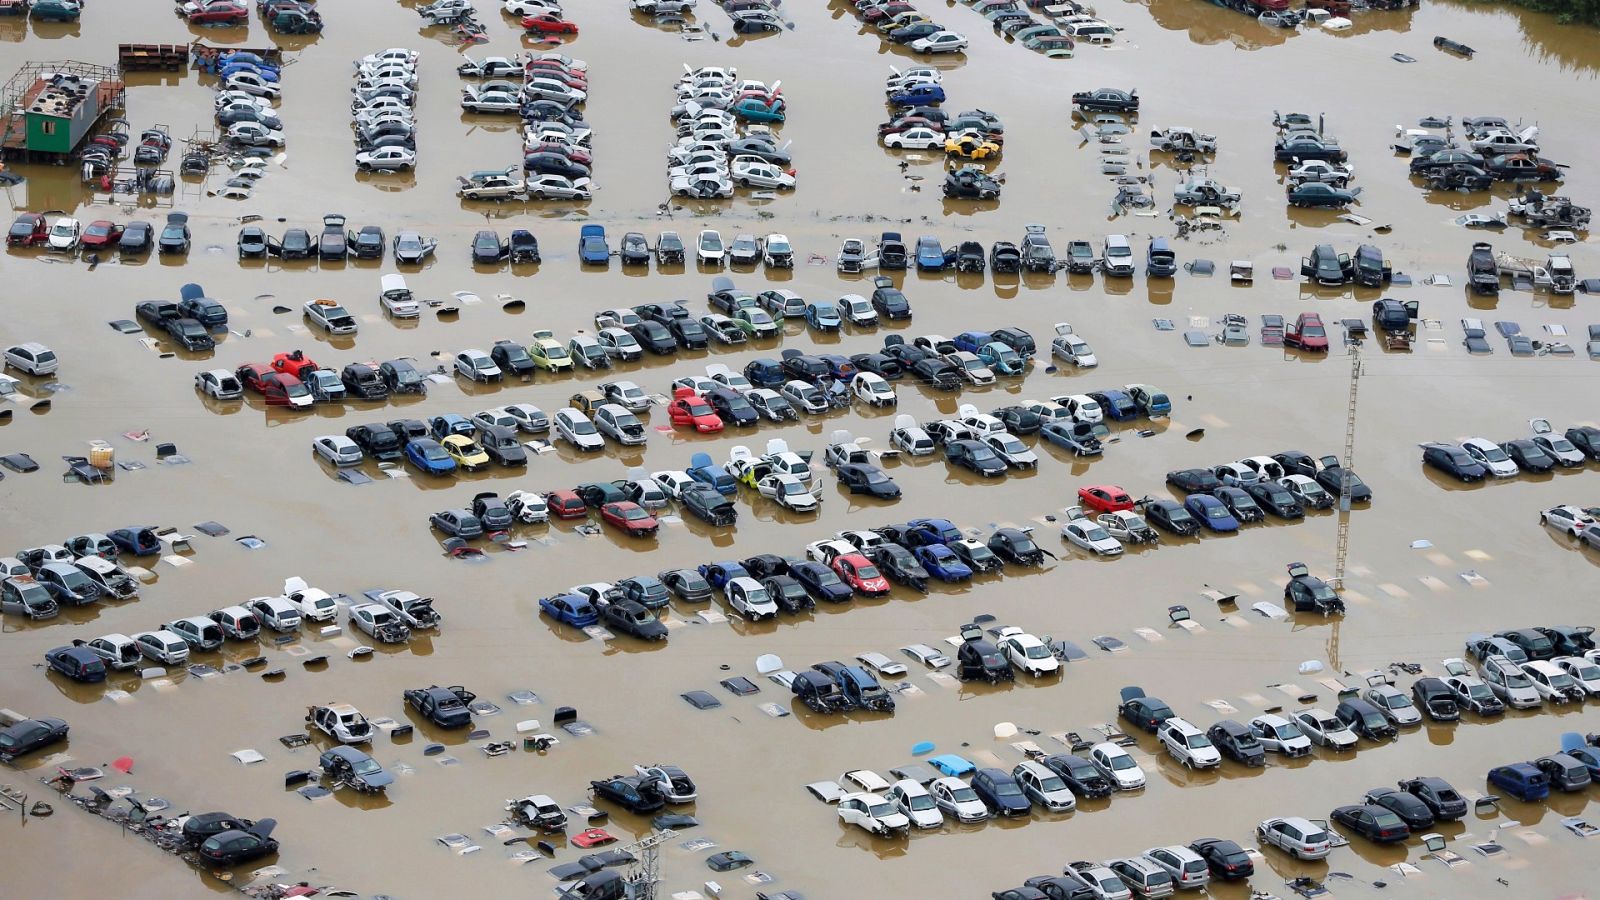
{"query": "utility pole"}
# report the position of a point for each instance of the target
(1348, 464)
(644, 875)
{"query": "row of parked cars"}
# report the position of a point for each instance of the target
(38, 581)
(245, 105)
(899, 22)
(724, 136)
(383, 110)
(1477, 458)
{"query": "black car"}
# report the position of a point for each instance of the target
(1443, 801)
(546, 163)
(1053, 887)
(1569, 641)
(1434, 698)
(364, 382)
(174, 235)
(1410, 809)
(631, 792)
(686, 584)
(252, 242)
(1194, 481)
(1277, 499)
(764, 565)
(732, 407)
(1000, 792)
(899, 565)
(975, 456)
(978, 557)
(1459, 175)
(368, 243)
(1239, 503)
(523, 247)
(1146, 712)
(891, 250)
(1453, 461)
(789, 594)
(647, 591)
(488, 249)
(376, 440)
(888, 299)
(821, 582)
(803, 367)
(1528, 456)
(703, 501)
(296, 244)
(197, 828)
(629, 617)
(1080, 775)
(1584, 437)
(912, 32)
(1227, 860)
(971, 183)
(1366, 720)
(1169, 515)
(230, 848)
(77, 663)
(1018, 419)
(512, 358)
(137, 236)
(29, 735)
(1238, 743)
(409, 430)
(653, 336)
(1106, 100)
(1375, 823)
(1018, 339)
(880, 364)
(1533, 641)
(978, 659)
(1004, 257)
(402, 377)
(1332, 480)
(635, 251)
(1026, 892)
(1013, 545)
(1306, 592)
(689, 334)
(865, 478)
(1450, 156)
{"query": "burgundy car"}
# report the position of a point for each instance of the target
(630, 517)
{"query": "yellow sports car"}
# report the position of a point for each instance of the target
(465, 451)
(972, 146)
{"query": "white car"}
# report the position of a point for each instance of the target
(1091, 537)
(873, 389)
(909, 438)
(537, 88)
(1027, 653)
(1012, 452)
(957, 798)
(790, 492)
(1566, 455)
(826, 552)
(804, 396)
(1188, 744)
(864, 780)
(1266, 466)
(1187, 868)
(971, 367)
(926, 655)
(754, 172)
(1115, 764)
(255, 134)
(1550, 681)
(253, 84)
(872, 813)
(477, 365)
(858, 310)
(940, 42)
(576, 428)
(1584, 672)
(1308, 492)
(1487, 452)
(529, 507)
(880, 664)
(118, 651)
(915, 803)
(703, 186)
(65, 233)
(337, 449)
(162, 646)
(915, 139)
(386, 159)
(393, 54)
(558, 187)
(330, 317)
(1280, 735)
(1295, 836)
(342, 722)
(1100, 880)
(1069, 347)
(1326, 729)
(1083, 408)
(1237, 474)
(673, 482)
(980, 422)
(380, 622)
(1321, 171)
(709, 249)
(276, 613)
(220, 384)
(314, 604)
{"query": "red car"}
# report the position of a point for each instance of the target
(1105, 498)
(566, 505)
(549, 24)
(558, 72)
(100, 235)
(688, 409)
(276, 388)
(27, 230)
(294, 363)
(217, 12)
(862, 576)
(907, 123)
(1307, 333)
(575, 154)
(630, 517)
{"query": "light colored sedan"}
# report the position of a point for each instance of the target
(386, 159)
(1491, 456)
(255, 134)
(337, 449)
(558, 187)
(940, 42)
(1086, 534)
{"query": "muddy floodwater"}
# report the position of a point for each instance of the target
(1483, 563)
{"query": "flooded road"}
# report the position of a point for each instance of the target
(1194, 64)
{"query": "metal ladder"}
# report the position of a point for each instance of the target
(1348, 462)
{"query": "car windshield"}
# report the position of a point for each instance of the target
(1216, 512)
(880, 810)
(435, 454)
(981, 453)
(1007, 788)
(1493, 454)
(698, 409)
(1197, 741)
(1479, 691)
(1393, 701)
(1123, 762)
(296, 389)
(468, 448)
(920, 802)
(1586, 673)
(1517, 680)
(582, 426)
(634, 514)
(711, 241)
(1038, 651)
(1313, 331)
(1561, 681)
(1010, 444)
(366, 766)
(1288, 731)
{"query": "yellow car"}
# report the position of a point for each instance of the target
(548, 353)
(465, 451)
(972, 146)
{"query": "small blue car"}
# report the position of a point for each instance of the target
(930, 254)
(765, 373)
(942, 563)
(703, 470)
(1001, 358)
(1118, 406)
(429, 456)
(823, 315)
(972, 341)
(1521, 780)
(570, 609)
(592, 247)
(1212, 512)
(934, 531)
(450, 423)
(718, 574)
(918, 95)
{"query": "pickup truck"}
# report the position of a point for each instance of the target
(166, 317)
(444, 707)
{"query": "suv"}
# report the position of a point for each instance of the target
(1188, 744)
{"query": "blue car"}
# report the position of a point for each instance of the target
(1521, 780)
(703, 470)
(1211, 512)
(972, 341)
(919, 95)
(952, 764)
(1001, 358)
(427, 455)
(942, 563)
(1573, 745)
(1000, 792)
(765, 373)
(718, 574)
(592, 247)
(823, 315)
(570, 609)
(443, 426)
(930, 254)
(934, 531)
(1117, 405)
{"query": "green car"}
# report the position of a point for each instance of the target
(548, 354)
(57, 10)
(755, 321)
